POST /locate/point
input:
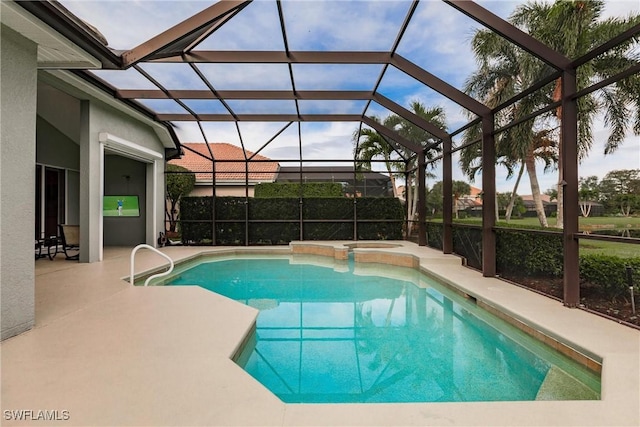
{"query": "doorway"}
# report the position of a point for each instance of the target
(50, 200)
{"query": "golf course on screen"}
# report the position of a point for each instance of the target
(120, 206)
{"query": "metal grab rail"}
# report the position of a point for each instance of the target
(154, 276)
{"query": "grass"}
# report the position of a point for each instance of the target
(591, 223)
(599, 222)
(623, 250)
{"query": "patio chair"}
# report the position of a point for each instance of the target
(70, 239)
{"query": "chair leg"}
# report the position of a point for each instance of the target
(68, 257)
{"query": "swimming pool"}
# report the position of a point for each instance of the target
(332, 331)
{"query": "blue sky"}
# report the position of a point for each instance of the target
(436, 39)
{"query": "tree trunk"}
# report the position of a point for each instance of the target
(557, 96)
(560, 200)
(514, 194)
(455, 206)
(626, 210)
(408, 200)
(392, 178)
(535, 188)
(414, 203)
(585, 209)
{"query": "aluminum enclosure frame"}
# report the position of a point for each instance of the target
(178, 44)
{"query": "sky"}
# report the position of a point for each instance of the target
(436, 39)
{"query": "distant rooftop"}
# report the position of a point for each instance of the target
(260, 170)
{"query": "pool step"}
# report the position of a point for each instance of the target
(558, 385)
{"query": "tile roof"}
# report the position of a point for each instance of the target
(225, 171)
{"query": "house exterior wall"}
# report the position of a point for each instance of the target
(54, 148)
(102, 118)
(18, 59)
(221, 191)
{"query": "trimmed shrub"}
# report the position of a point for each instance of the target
(276, 221)
(194, 211)
(292, 190)
(609, 273)
(435, 230)
(529, 253)
(467, 242)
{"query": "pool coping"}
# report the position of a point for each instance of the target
(214, 391)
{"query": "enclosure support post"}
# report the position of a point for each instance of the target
(213, 199)
(407, 211)
(569, 159)
(422, 207)
(301, 207)
(489, 191)
(447, 202)
(355, 203)
(246, 202)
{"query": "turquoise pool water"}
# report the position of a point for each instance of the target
(343, 333)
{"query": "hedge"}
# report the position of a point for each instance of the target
(527, 253)
(609, 273)
(378, 219)
(292, 190)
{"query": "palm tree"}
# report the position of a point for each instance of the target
(372, 145)
(399, 159)
(505, 70)
(572, 28)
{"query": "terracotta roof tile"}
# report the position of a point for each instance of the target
(225, 171)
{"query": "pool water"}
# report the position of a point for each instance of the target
(339, 332)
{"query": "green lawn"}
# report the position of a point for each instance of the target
(598, 222)
(623, 250)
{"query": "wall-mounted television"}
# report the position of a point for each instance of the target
(120, 206)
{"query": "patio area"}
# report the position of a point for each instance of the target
(106, 353)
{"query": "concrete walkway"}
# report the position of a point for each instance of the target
(106, 353)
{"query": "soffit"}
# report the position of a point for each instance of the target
(54, 50)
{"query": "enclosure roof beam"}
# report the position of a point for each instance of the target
(316, 95)
(182, 36)
(277, 57)
(391, 134)
(511, 33)
(439, 85)
(262, 117)
(408, 115)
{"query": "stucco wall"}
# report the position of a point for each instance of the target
(59, 109)
(221, 191)
(107, 119)
(18, 58)
(54, 148)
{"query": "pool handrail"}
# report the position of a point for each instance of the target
(154, 276)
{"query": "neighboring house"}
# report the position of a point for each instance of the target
(367, 184)
(231, 176)
(471, 202)
(530, 206)
(67, 141)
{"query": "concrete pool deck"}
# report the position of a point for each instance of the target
(106, 353)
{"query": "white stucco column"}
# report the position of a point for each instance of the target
(18, 59)
(155, 200)
(91, 184)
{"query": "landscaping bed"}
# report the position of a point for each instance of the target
(591, 298)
